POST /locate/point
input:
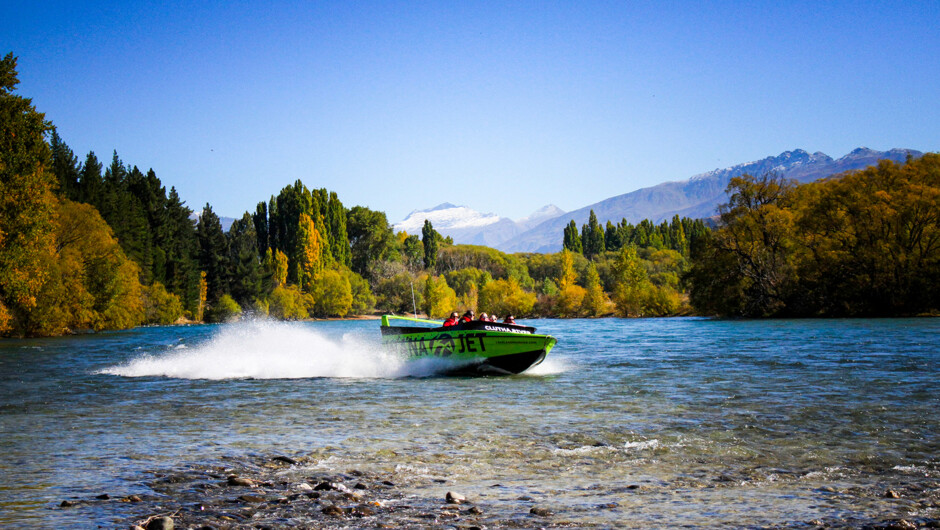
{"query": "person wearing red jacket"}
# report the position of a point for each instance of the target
(467, 317)
(452, 321)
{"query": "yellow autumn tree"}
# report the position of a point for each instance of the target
(332, 294)
(439, 298)
(504, 297)
(595, 301)
(310, 252)
(276, 262)
(27, 205)
(570, 295)
(160, 306)
(203, 293)
(91, 283)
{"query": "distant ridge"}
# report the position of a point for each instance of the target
(698, 196)
(226, 222)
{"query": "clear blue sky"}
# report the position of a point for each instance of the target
(500, 106)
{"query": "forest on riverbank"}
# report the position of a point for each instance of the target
(865, 243)
(89, 247)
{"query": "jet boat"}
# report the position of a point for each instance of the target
(474, 348)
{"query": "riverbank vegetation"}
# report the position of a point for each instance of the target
(89, 247)
(865, 243)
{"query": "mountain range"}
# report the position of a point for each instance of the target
(698, 196)
(695, 197)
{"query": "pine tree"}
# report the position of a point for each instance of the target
(246, 265)
(182, 253)
(90, 182)
(65, 167)
(213, 254)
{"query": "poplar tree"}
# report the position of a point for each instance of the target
(592, 237)
(339, 240)
(572, 240)
(429, 238)
(309, 252)
(612, 239)
(260, 220)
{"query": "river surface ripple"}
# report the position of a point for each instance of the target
(629, 423)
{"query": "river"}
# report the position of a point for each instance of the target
(628, 423)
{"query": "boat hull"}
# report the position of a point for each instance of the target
(475, 348)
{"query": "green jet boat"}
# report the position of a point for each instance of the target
(474, 348)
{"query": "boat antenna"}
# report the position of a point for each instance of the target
(413, 304)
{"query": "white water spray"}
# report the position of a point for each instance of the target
(264, 349)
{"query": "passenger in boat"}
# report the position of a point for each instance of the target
(484, 317)
(452, 321)
(467, 317)
(509, 320)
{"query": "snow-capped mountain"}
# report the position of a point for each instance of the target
(468, 226)
(446, 216)
(538, 216)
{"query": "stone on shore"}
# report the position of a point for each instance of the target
(240, 481)
(453, 497)
(160, 523)
(541, 512)
(251, 498)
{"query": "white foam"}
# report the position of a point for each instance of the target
(912, 469)
(550, 366)
(584, 450)
(263, 349)
(639, 446)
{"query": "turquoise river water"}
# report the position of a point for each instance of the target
(629, 423)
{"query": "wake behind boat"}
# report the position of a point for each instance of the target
(475, 348)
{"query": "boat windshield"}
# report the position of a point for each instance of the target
(391, 320)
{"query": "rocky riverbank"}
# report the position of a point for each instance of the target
(276, 491)
(282, 492)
